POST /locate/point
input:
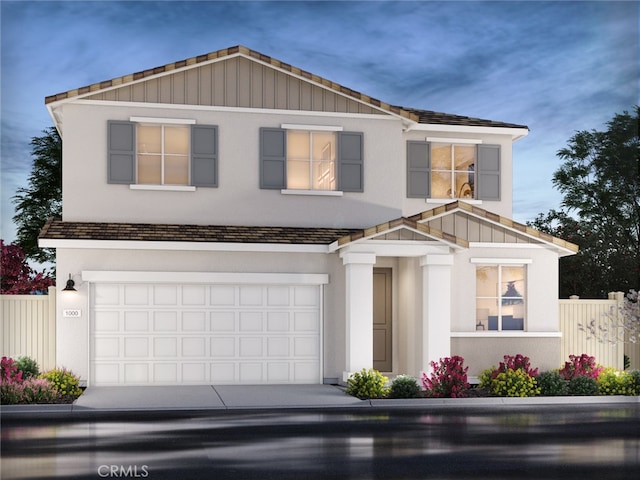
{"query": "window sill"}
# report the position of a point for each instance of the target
(506, 334)
(166, 188)
(320, 193)
(442, 201)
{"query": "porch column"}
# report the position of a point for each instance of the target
(359, 311)
(436, 308)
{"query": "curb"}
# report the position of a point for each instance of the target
(72, 411)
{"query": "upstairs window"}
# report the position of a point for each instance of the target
(453, 170)
(464, 169)
(308, 159)
(500, 297)
(154, 154)
(163, 154)
(311, 160)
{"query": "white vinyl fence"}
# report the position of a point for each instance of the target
(575, 312)
(28, 327)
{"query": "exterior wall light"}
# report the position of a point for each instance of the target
(70, 285)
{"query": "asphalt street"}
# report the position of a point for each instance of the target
(534, 442)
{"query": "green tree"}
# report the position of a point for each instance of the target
(600, 211)
(42, 198)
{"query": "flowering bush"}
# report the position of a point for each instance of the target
(613, 382)
(367, 383)
(404, 386)
(505, 380)
(9, 372)
(580, 366)
(449, 378)
(64, 381)
(32, 390)
(514, 383)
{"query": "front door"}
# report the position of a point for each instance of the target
(382, 319)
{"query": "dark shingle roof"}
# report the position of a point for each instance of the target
(439, 118)
(56, 229)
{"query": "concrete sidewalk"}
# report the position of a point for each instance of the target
(209, 397)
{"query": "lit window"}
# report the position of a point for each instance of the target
(311, 160)
(163, 154)
(500, 297)
(452, 170)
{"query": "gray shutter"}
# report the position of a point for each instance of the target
(204, 156)
(418, 169)
(488, 172)
(121, 155)
(273, 158)
(350, 162)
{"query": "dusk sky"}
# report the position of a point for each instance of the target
(557, 67)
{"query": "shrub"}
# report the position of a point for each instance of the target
(404, 387)
(449, 378)
(515, 383)
(612, 382)
(504, 381)
(9, 372)
(367, 383)
(517, 362)
(634, 376)
(551, 383)
(583, 385)
(28, 366)
(580, 366)
(39, 390)
(64, 381)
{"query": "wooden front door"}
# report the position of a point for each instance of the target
(382, 319)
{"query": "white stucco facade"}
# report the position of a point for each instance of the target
(297, 310)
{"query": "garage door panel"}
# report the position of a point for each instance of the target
(203, 334)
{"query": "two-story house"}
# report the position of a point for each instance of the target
(233, 219)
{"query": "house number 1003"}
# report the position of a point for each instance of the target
(72, 313)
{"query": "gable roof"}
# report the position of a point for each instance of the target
(411, 114)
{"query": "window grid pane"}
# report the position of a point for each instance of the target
(163, 154)
(500, 297)
(453, 171)
(311, 160)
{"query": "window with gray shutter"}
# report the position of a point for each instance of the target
(418, 169)
(121, 155)
(273, 158)
(204, 156)
(351, 162)
(488, 172)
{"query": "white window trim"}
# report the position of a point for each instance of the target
(443, 201)
(167, 188)
(175, 121)
(466, 141)
(320, 193)
(503, 261)
(318, 128)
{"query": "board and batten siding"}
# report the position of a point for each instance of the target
(28, 327)
(235, 82)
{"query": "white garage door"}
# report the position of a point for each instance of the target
(204, 334)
